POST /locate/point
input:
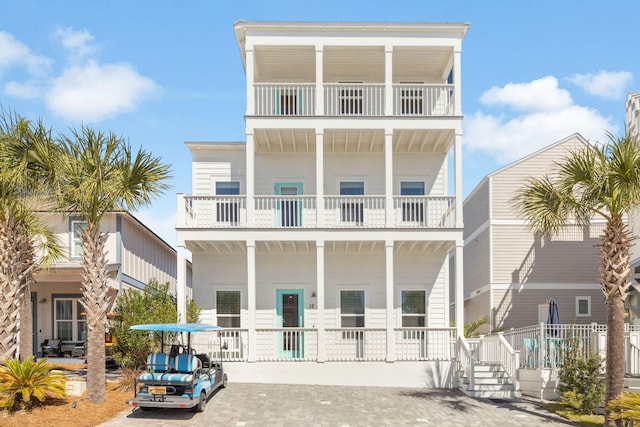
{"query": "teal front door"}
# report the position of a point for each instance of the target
(290, 314)
(289, 209)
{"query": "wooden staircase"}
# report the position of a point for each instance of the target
(490, 381)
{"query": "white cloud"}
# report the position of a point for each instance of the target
(605, 84)
(510, 137)
(15, 53)
(78, 43)
(539, 95)
(94, 92)
(28, 90)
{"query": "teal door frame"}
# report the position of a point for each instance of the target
(277, 188)
(290, 345)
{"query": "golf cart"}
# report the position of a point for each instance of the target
(181, 378)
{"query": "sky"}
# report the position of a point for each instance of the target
(159, 72)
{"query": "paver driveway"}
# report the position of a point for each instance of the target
(248, 405)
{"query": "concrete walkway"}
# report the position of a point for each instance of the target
(248, 405)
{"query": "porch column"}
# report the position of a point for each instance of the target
(251, 299)
(181, 288)
(319, 81)
(459, 287)
(251, 105)
(388, 177)
(388, 80)
(250, 180)
(391, 343)
(319, 178)
(457, 173)
(457, 81)
(322, 357)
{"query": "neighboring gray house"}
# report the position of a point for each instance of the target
(633, 301)
(509, 274)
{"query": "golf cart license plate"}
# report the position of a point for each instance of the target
(157, 390)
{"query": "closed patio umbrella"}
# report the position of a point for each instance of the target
(553, 319)
(554, 316)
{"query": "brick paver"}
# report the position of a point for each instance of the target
(250, 405)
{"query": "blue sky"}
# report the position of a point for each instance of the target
(163, 72)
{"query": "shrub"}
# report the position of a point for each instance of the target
(24, 384)
(581, 386)
(627, 407)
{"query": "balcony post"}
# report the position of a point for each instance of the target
(251, 95)
(388, 177)
(181, 288)
(251, 299)
(457, 173)
(457, 81)
(391, 343)
(319, 81)
(388, 81)
(250, 181)
(181, 213)
(319, 178)
(322, 357)
(459, 282)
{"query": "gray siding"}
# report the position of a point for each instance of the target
(476, 261)
(519, 257)
(476, 307)
(476, 209)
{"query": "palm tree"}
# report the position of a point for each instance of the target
(602, 181)
(25, 177)
(100, 174)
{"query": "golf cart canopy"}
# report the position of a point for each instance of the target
(176, 327)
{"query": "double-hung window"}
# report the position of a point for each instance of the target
(352, 309)
(75, 251)
(413, 309)
(69, 320)
(352, 209)
(227, 209)
(413, 206)
(228, 308)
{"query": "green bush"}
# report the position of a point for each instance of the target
(24, 384)
(581, 386)
(154, 304)
(627, 408)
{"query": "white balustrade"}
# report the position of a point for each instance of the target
(348, 344)
(284, 99)
(425, 343)
(354, 211)
(423, 100)
(424, 211)
(215, 212)
(285, 211)
(286, 344)
(354, 99)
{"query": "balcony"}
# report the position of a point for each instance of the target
(350, 212)
(354, 100)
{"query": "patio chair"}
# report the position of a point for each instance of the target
(51, 348)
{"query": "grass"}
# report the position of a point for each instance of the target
(71, 411)
(571, 415)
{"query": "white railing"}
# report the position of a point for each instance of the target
(354, 211)
(632, 359)
(466, 358)
(424, 211)
(285, 211)
(425, 344)
(215, 212)
(495, 349)
(354, 99)
(284, 99)
(355, 344)
(286, 344)
(423, 100)
(231, 345)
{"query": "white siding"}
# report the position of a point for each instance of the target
(428, 167)
(209, 166)
(476, 209)
(477, 261)
(285, 168)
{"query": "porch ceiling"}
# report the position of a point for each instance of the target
(285, 64)
(353, 140)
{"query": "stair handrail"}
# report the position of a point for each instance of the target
(466, 358)
(510, 361)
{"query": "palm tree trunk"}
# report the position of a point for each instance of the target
(26, 325)
(95, 301)
(615, 272)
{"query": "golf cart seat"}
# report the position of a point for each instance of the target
(158, 364)
(186, 368)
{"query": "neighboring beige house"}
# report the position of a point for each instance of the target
(321, 242)
(509, 274)
(633, 300)
(135, 255)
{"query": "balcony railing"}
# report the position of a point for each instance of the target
(354, 99)
(420, 212)
(425, 344)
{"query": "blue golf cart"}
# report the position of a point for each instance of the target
(181, 377)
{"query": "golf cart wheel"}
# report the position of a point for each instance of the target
(224, 381)
(202, 403)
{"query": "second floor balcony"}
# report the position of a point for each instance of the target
(353, 100)
(349, 212)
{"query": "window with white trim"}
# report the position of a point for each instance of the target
(227, 210)
(69, 319)
(352, 309)
(75, 251)
(352, 210)
(583, 306)
(412, 207)
(414, 309)
(228, 308)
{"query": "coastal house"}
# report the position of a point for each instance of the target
(135, 255)
(321, 243)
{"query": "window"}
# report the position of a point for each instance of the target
(76, 244)
(69, 320)
(227, 211)
(583, 306)
(290, 206)
(289, 102)
(412, 208)
(351, 101)
(413, 309)
(352, 309)
(228, 308)
(412, 99)
(351, 210)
